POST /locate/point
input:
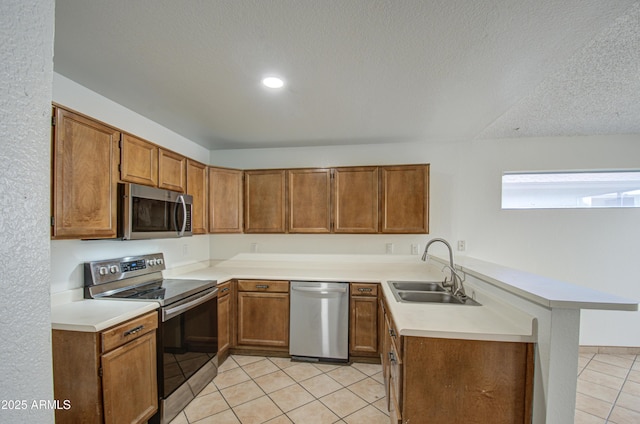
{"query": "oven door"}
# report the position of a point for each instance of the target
(189, 339)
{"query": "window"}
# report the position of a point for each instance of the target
(571, 189)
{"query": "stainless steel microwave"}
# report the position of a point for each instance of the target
(150, 213)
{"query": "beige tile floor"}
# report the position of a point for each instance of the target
(608, 389)
(255, 390)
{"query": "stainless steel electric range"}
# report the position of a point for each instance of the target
(188, 315)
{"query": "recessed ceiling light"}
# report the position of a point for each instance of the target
(273, 82)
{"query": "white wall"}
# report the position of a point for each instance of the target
(26, 56)
(77, 97)
(593, 248)
(67, 256)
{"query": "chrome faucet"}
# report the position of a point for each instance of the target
(455, 283)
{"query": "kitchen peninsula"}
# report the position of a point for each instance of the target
(516, 307)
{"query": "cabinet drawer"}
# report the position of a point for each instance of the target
(128, 331)
(263, 286)
(364, 289)
(224, 289)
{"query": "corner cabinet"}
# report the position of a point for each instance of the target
(197, 187)
(108, 377)
(263, 315)
(225, 200)
(492, 381)
(85, 167)
(405, 199)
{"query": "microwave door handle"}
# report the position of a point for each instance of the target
(184, 215)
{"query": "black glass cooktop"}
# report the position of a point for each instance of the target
(163, 291)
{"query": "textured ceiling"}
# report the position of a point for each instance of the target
(359, 71)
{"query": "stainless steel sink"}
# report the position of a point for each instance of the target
(429, 286)
(426, 292)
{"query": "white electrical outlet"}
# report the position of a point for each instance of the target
(389, 248)
(254, 247)
(415, 249)
(185, 250)
(462, 245)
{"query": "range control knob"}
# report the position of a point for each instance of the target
(103, 270)
(151, 262)
(159, 261)
(113, 269)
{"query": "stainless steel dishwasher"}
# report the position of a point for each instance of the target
(319, 321)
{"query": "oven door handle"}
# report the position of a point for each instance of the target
(170, 312)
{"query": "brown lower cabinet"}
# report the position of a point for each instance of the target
(263, 315)
(363, 324)
(225, 318)
(108, 377)
(443, 381)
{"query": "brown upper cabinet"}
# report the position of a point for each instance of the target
(138, 161)
(355, 200)
(197, 187)
(143, 162)
(355, 209)
(264, 201)
(309, 200)
(225, 200)
(171, 170)
(84, 186)
(405, 199)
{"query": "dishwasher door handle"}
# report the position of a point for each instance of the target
(320, 290)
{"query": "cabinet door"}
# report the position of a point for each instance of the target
(85, 159)
(493, 380)
(138, 161)
(364, 326)
(224, 318)
(197, 187)
(263, 319)
(363, 304)
(225, 200)
(171, 171)
(309, 200)
(264, 205)
(355, 207)
(129, 385)
(405, 199)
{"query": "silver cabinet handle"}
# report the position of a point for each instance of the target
(134, 330)
(262, 286)
(226, 289)
(205, 296)
(362, 289)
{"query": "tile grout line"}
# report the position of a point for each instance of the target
(615, 402)
(297, 383)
